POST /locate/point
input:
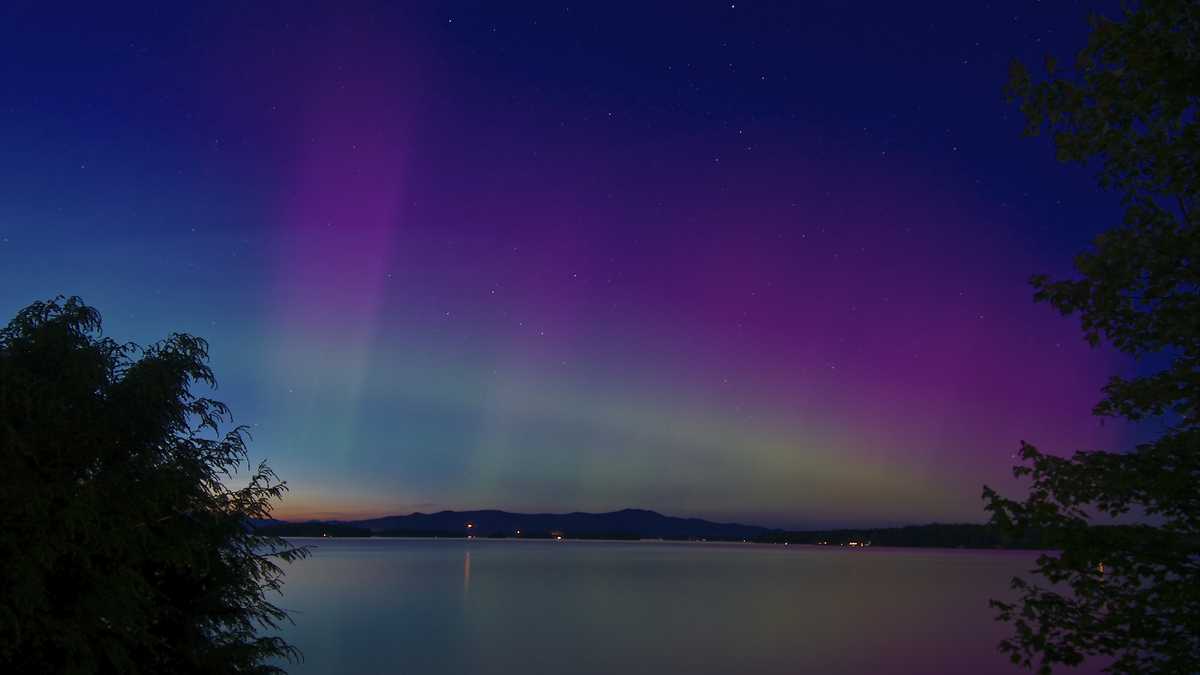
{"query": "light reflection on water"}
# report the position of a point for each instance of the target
(542, 607)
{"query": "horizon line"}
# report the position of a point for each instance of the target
(330, 516)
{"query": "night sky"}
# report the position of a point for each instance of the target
(735, 260)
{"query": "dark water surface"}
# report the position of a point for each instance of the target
(539, 607)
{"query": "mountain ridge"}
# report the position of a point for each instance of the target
(625, 523)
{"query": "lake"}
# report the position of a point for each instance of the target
(433, 607)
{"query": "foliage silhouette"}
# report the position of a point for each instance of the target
(1130, 109)
(124, 551)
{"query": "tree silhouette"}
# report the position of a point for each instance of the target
(124, 550)
(1130, 108)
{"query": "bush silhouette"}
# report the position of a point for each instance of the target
(124, 549)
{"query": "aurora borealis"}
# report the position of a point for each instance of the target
(728, 260)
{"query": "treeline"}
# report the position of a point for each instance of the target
(607, 536)
(312, 530)
(937, 535)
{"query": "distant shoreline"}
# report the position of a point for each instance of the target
(681, 542)
(636, 525)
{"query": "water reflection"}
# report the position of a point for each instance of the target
(378, 605)
(467, 572)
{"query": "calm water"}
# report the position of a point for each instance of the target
(435, 607)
